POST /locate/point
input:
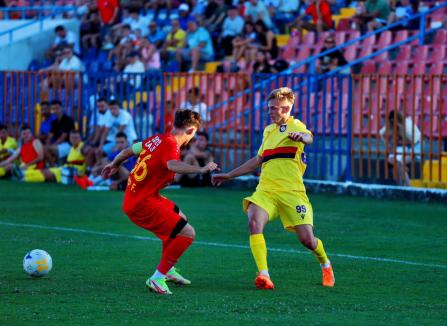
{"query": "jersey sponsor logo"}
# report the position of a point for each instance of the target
(153, 143)
(282, 128)
(304, 158)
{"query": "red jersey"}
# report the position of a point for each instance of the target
(325, 10)
(107, 9)
(28, 154)
(151, 173)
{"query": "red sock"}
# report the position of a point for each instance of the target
(172, 252)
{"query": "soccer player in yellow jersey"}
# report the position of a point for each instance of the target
(280, 191)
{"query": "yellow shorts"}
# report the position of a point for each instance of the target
(292, 207)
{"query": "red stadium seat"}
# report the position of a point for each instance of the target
(350, 53)
(369, 41)
(368, 67)
(401, 36)
(384, 39)
(404, 53)
(344, 24)
(384, 67)
(438, 53)
(381, 57)
(421, 53)
(365, 50)
(310, 39)
(440, 37)
(402, 68)
(419, 67)
(340, 37)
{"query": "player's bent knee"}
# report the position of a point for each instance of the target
(188, 231)
(308, 242)
(255, 225)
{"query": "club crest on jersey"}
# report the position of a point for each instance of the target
(282, 128)
(303, 158)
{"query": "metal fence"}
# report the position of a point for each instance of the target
(345, 113)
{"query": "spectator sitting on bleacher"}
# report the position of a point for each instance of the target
(134, 66)
(397, 133)
(91, 30)
(46, 118)
(256, 10)
(375, 15)
(156, 36)
(243, 45)
(262, 63)
(198, 46)
(8, 144)
(69, 61)
(331, 60)
(74, 165)
(119, 121)
(184, 16)
(401, 10)
(232, 27)
(57, 145)
(136, 21)
(214, 15)
(194, 103)
(174, 40)
(150, 56)
(125, 33)
(198, 155)
(31, 157)
(267, 40)
(119, 179)
(63, 39)
(320, 11)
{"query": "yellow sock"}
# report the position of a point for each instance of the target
(320, 253)
(259, 251)
(32, 175)
(2, 172)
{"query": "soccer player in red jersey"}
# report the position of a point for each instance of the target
(159, 160)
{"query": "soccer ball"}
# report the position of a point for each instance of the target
(37, 263)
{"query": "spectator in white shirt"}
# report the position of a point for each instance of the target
(134, 66)
(194, 103)
(63, 39)
(69, 61)
(255, 10)
(232, 27)
(118, 121)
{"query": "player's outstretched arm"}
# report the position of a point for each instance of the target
(249, 166)
(113, 167)
(185, 168)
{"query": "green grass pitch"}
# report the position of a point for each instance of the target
(101, 261)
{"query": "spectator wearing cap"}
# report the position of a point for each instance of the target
(255, 10)
(232, 27)
(184, 16)
(134, 66)
(174, 40)
(320, 11)
(198, 46)
(156, 36)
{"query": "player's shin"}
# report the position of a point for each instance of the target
(173, 251)
(320, 254)
(259, 250)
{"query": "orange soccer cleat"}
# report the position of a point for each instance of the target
(264, 282)
(328, 276)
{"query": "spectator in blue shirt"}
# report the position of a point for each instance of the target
(232, 27)
(156, 36)
(47, 118)
(198, 46)
(184, 16)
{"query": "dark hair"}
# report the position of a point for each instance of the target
(75, 131)
(114, 102)
(59, 28)
(194, 90)
(120, 134)
(126, 26)
(25, 126)
(187, 118)
(202, 133)
(56, 102)
(44, 103)
(101, 99)
(262, 24)
(2, 126)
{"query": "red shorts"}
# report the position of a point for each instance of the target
(158, 215)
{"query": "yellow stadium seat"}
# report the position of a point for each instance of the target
(436, 168)
(211, 66)
(417, 183)
(347, 12)
(282, 39)
(37, 118)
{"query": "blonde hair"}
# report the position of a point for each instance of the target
(282, 93)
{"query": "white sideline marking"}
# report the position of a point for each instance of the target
(217, 244)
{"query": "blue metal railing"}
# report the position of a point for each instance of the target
(42, 13)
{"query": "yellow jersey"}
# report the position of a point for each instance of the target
(10, 145)
(76, 159)
(283, 160)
